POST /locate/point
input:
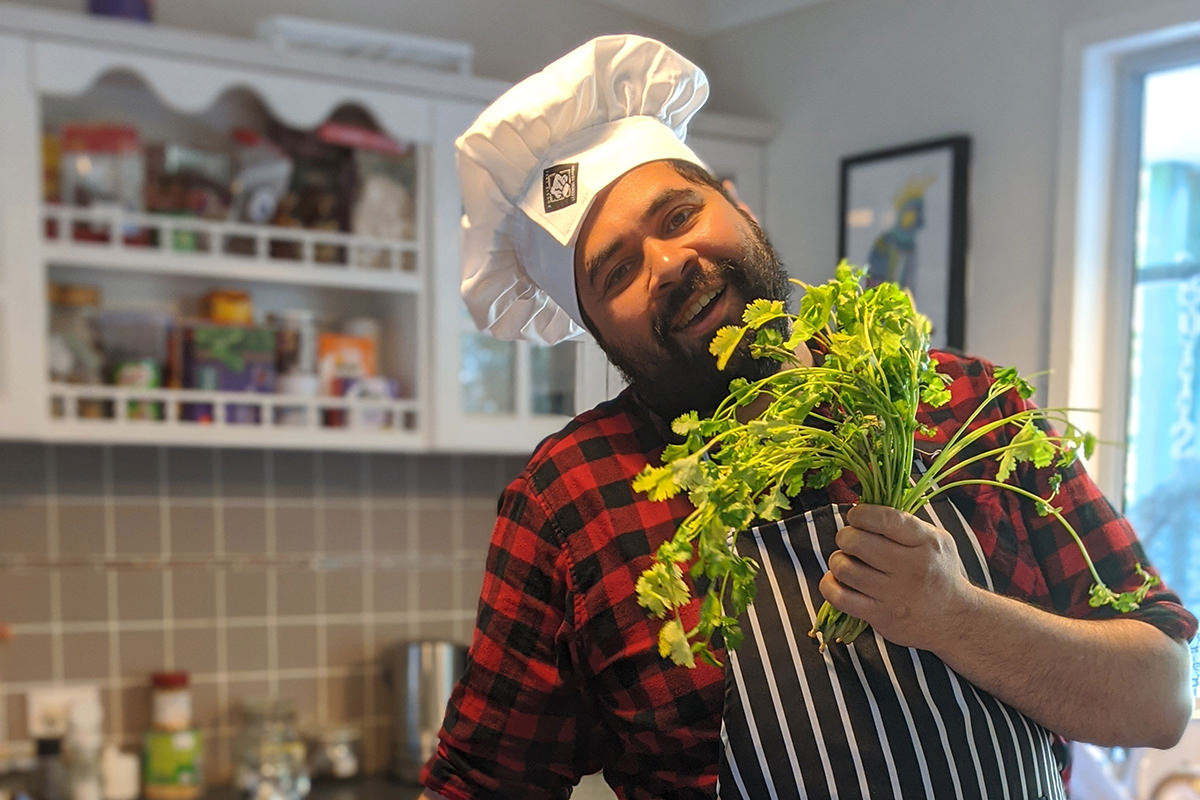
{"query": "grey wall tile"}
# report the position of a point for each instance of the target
(139, 528)
(190, 471)
(136, 471)
(245, 593)
(436, 590)
(136, 707)
(25, 596)
(344, 591)
(207, 711)
(302, 694)
(195, 649)
(479, 519)
(18, 726)
(434, 479)
(28, 657)
(193, 593)
(79, 470)
(23, 522)
(390, 475)
(245, 529)
(296, 593)
(482, 476)
(294, 474)
(81, 529)
(343, 529)
(247, 648)
(22, 468)
(389, 527)
(435, 530)
(140, 594)
(390, 592)
(85, 595)
(243, 472)
(341, 474)
(344, 645)
(142, 653)
(295, 529)
(193, 528)
(85, 656)
(297, 647)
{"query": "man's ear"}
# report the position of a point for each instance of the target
(731, 190)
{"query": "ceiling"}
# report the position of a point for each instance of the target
(702, 18)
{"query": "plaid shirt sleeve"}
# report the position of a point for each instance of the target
(1038, 559)
(515, 725)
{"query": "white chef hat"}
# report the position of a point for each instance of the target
(533, 161)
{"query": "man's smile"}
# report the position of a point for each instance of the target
(699, 312)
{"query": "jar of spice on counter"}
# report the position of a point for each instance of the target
(173, 755)
(268, 753)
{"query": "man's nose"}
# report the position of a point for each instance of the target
(669, 263)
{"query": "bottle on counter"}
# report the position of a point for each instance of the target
(268, 753)
(173, 754)
(82, 748)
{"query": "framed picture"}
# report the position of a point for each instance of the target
(904, 219)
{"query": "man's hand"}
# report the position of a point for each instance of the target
(901, 575)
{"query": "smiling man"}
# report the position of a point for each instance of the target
(585, 211)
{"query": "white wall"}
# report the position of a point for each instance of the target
(849, 76)
(512, 38)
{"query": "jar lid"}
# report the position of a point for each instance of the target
(170, 680)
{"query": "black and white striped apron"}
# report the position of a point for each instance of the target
(869, 720)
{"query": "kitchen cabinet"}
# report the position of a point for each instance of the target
(446, 387)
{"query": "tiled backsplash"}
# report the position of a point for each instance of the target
(259, 572)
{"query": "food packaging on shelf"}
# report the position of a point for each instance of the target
(296, 384)
(188, 182)
(102, 164)
(372, 388)
(296, 341)
(229, 307)
(226, 358)
(342, 356)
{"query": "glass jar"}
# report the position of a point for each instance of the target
(268, 753)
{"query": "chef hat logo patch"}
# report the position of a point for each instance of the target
(559, 186)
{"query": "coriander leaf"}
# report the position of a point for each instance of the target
(673, 644)
(725, 342)
(657, 483)
(761, 311)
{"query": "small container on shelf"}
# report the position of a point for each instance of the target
(268, 754)
(173, 754)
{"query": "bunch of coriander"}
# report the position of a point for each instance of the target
(856, 412)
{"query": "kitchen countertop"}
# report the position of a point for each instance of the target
(376, 787)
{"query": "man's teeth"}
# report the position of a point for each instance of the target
(701, 303)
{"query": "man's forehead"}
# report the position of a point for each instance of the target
(635, 194)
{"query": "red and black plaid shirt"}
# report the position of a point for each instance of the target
(564, 677)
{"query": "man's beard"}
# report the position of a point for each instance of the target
(674, 377)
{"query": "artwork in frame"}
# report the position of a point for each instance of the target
(904, 218)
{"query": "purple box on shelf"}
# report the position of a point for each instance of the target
(227, 358)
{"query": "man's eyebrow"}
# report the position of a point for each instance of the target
(664, 198)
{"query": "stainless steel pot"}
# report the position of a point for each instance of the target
(421, 675)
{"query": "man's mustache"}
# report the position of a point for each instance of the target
(673, 304)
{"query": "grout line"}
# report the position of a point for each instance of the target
(116, 721)
(321, 620)
(461, 632)
(413, 521)
(293, 620)
(272, 576)
(54, 547)
(220, 611)
(487, 501)
(165, 544)
(368, 598)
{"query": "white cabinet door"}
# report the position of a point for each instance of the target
(492, 395)
(22, 305)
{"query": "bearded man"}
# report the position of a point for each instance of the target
(585, 210)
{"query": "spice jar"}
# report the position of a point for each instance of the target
(268, 753)
(173, 755)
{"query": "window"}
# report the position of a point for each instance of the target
(1162, 457)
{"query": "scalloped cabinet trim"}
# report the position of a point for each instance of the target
(191, 87)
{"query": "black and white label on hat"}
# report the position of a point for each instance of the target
(559, 186)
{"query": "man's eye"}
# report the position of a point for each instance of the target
(616, 275)
(679, 217)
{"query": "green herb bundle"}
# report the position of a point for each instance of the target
(856, 412)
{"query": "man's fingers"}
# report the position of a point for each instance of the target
(895, 525)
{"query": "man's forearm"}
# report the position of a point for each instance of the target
(1109, 682)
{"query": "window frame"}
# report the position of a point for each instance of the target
(1092, 281)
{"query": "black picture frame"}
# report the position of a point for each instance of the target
(903, 217)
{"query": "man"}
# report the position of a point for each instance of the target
(585, 209)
